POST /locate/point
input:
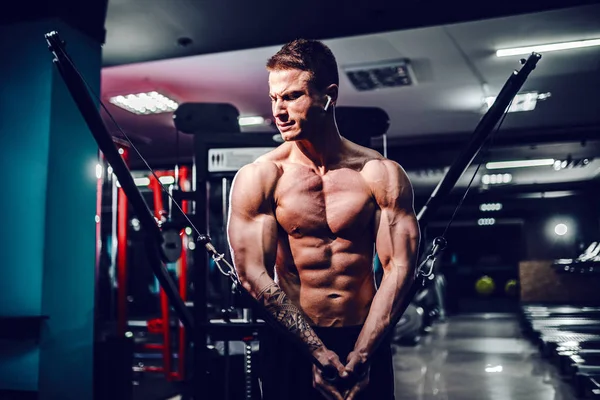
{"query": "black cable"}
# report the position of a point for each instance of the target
(177, 158)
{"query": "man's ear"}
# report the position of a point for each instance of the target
(332, 91)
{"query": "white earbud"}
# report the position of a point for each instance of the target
(328, 102)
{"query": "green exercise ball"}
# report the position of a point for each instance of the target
(485, 285)
(511, 287)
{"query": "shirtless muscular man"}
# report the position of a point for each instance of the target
(304, 222)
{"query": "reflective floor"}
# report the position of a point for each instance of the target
(476, 357)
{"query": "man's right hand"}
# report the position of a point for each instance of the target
(328, 359)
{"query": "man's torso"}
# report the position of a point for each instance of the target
(325, 240)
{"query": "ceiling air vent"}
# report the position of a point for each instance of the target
(382, 75)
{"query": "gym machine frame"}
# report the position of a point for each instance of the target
(87, 107)
(203, 143)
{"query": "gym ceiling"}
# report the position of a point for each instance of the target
(215, 51)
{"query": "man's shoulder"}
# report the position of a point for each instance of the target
(272, 160)
(382, 167)
(375, 167)
(386, 177)
(253, 185)
(259, 172)
(262, 173)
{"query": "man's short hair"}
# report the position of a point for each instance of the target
(307, 55)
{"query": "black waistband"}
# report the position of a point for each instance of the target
(337, 329)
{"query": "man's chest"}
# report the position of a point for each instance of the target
(338, 203)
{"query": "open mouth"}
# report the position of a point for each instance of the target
(286, 126)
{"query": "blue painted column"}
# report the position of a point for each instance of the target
(47, 159)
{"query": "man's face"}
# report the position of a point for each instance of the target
(293, 103)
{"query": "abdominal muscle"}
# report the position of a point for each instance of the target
(330, 280)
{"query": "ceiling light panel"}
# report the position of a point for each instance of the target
(145, 103)
(521, 101)
(383, 75)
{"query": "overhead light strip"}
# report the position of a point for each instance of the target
(545, 48)
(144, 181)
(521, 102)
(519, 163)
(251, 121)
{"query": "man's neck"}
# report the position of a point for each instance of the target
(323, 151)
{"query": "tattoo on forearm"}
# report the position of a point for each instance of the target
(278, 304)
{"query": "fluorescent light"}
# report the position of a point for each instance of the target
(557, 165)
(519, 163)
(521, 101)
(571, 163)
(138, 182)
(167, 180)
(490, 207)
(141, 181)
(544, 48)
(495, 179)
(145, 103)
(486, 221)
(490, 369)
(248, 121)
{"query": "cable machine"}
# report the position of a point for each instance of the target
(198, 324)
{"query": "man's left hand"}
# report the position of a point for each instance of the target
(359, 370)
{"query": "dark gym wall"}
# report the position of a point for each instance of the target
(538, 217)
(524, 231)
(543, 283)
(24, 132)
(48, 230)
(579, 213)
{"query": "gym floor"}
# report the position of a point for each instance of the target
(479, 357)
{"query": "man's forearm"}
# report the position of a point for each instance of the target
(289, 316)
(385, 310)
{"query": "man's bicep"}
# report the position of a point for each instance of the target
(397, 239)
(252, 229)
(398, 231)
(253, 241)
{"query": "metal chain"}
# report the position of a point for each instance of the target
(229, 271)
(439, 244)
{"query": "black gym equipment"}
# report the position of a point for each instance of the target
(569, 337)
(198, 326)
